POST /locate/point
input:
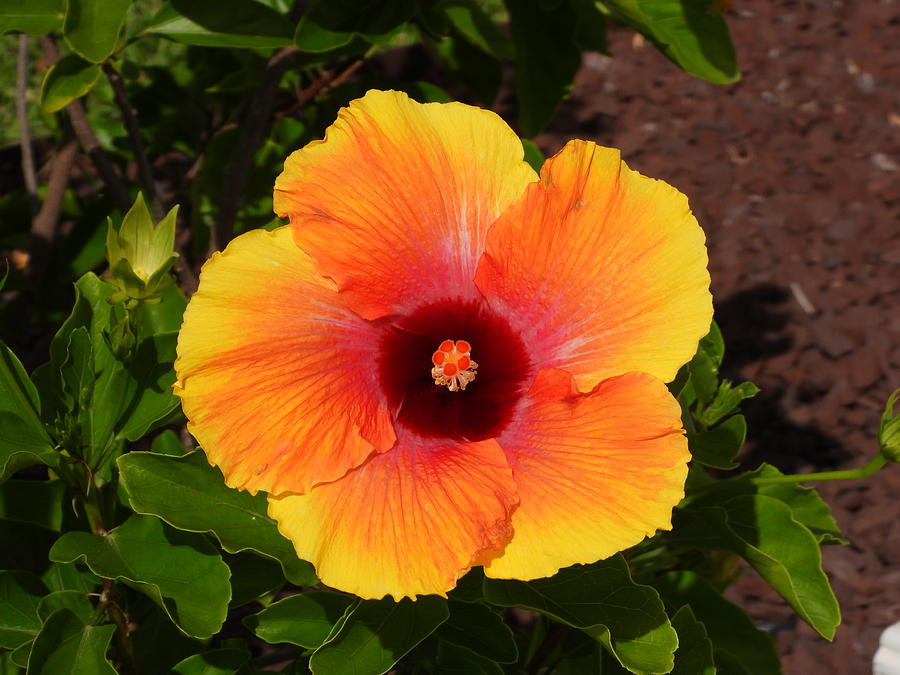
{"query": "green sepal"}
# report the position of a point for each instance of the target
(140, 254)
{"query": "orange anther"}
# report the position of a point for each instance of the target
(453, 365)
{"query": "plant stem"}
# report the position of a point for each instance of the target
(24, 131)
(129, 117)
(93, 509)
(868, 469)
(43, 226)
(253, 127)
(114, 184)
(864, 471)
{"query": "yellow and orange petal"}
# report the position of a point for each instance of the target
(595, 472)
(276, 378)
(395, 203)
(603, 269)
(408, 522)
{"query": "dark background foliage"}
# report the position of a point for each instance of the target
(792, 172)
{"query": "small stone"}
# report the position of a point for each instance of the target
(831, 341)
(864, 368)
(883, 162)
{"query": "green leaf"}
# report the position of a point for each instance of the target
(704, 376)
(166, 315)
(474, 25)
(223, 23)
(806, 506)
(83, 386)
(305, 620)
(480, 629)
(191, 495)
(17, 393)
(470, 588)
(692, 33)
(718, 446)
(252, 576)
(590, 29)
(31, 501)
(69, 577)
(19, 657)
(714, 345)
(20, 594)
(627, 618)
(167, 443)
(455, 660)
(94, 380)
(158, 644)
(150, 386)
(475, 69)
(75, 601)
(8, 666)
(533, 155)
(681, 387)
(23, 439)
(92, 27)
(330, 24)
(35, 17)
(695, 651)
(162, 563)
(785, 553)
(736, 641)
(726, 401)
(889, 430)
(547, 59)
(376, 634)
(216, 662)
(66, 646)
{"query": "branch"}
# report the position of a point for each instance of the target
(24, 131)
(43, 226)
(328, 80)
(129, 117)
(234, 176)
(114, 184)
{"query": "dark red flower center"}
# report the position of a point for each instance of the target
(484, 408)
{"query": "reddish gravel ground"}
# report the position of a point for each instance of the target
(793, 172)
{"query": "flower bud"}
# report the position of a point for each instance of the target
(139, 254)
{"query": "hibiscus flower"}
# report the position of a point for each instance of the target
(446, 360)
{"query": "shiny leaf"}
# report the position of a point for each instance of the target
(762, 530)
(547, 59)
(627, 618)
(695, 653)
(35, 17)
(305, 620)
(736, 640)
(92, 27)
(215, 662)
(692, 33)
(162, 563)
(191, 495)
(20, 594)
(223, 23)
(375, 634)
(480, 629)
(66, 646)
